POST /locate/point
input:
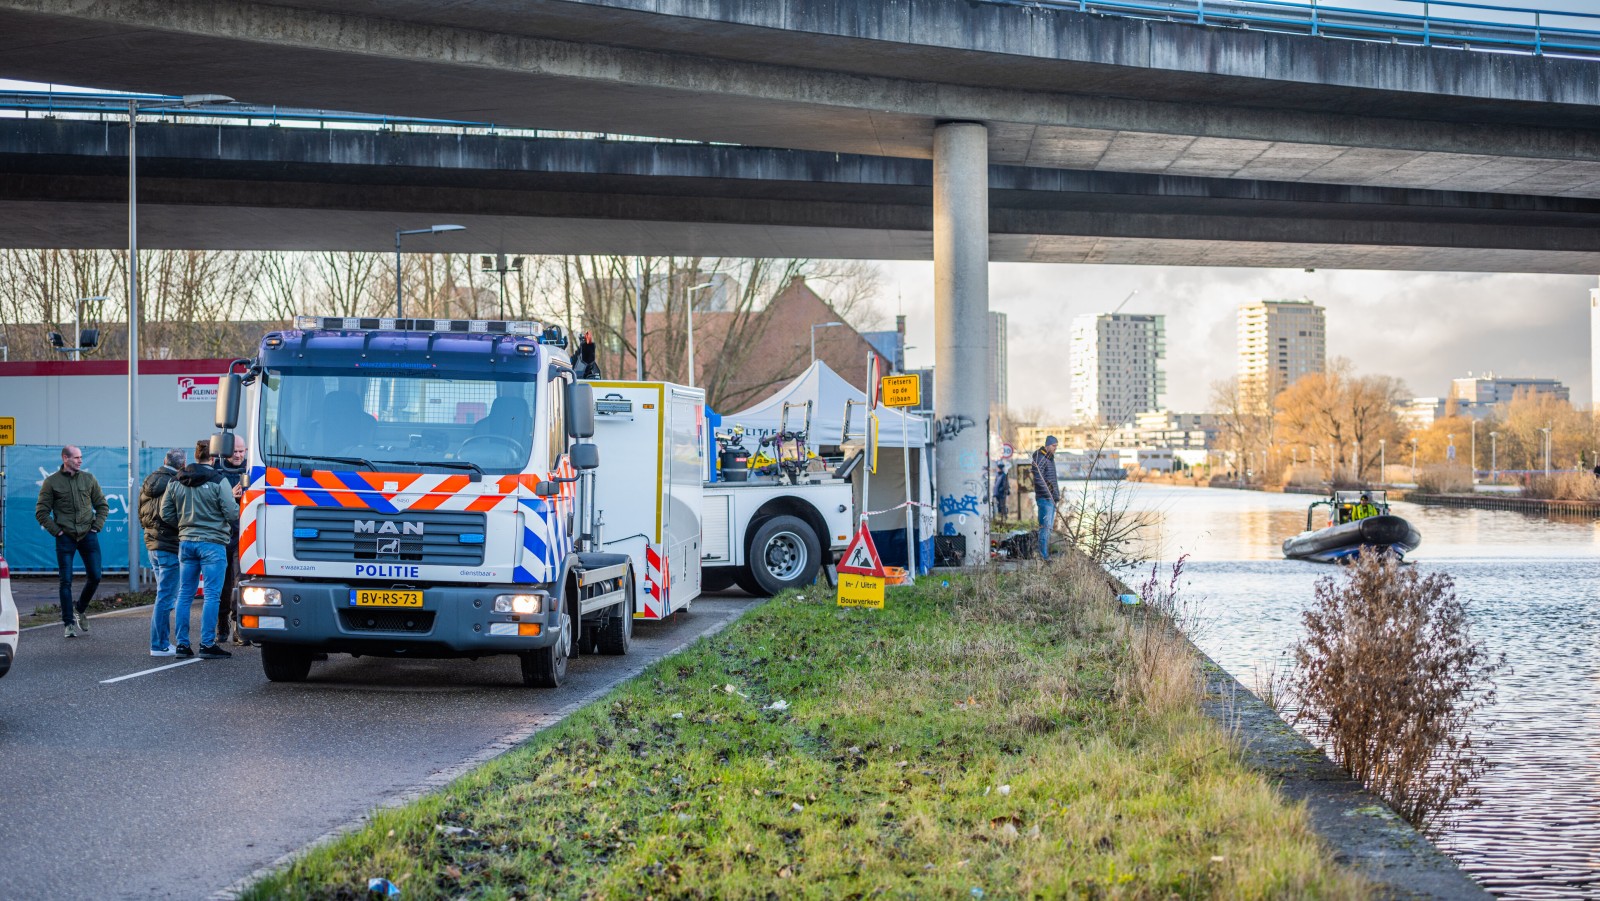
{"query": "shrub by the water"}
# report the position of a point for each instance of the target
(1388, 679)
(1564, 486)
(1447, 478)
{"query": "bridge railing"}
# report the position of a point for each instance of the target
(1428, 23)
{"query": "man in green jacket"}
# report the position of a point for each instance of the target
(201, 504)
(73, 508)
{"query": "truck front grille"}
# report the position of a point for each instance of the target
(439, 537)
(387, 620)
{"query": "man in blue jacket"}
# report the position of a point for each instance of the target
(200, 503)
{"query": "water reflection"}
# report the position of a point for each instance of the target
(1532, 584)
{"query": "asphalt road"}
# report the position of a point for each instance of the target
(181, 782)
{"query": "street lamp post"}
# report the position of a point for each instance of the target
(399, 299)
(1383, 462)
(1546, 431)
(501, 264)
(1359, 467)
(1494, 458)
(1474, 451)
(188, 101)
(689, 294)
(814, 336)
(1413, 459)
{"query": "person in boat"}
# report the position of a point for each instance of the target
(1365, 509)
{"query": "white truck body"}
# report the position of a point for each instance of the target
(652, 440)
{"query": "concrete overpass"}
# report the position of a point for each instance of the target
(969, 84)
(1054, 88)
(63, 184)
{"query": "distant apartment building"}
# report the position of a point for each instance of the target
(1419, 413)
(998, 366)
(1116, 371)
(1279, 341)
(1166, 429)
(1485, 392)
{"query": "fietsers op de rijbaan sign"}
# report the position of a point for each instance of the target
(861, 573)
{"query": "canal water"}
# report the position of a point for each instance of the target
(1532, 586)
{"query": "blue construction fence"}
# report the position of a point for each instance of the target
(30, 549)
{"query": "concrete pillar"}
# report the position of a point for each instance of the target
(961, 331)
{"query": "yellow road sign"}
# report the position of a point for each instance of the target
(902, 390)
(8, 430)
(860, 591)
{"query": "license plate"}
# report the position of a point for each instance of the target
(377, 597)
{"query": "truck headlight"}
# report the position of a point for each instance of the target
(519, 603)
(256, 596)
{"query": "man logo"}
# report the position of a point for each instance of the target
(387, 527)
(388, 546)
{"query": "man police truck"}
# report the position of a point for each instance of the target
(437, 488)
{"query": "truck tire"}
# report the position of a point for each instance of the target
(547, 667)
(617, 634)
(784, 553)
(283, 663)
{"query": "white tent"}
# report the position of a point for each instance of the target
(828, 393)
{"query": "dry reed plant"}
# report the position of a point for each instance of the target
(1564, 486)
(1099, 522)
(1161, 670)
(1389, 679)
(1444, 478)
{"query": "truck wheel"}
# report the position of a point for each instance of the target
(547, 667)
(617, 634)
(720, 579)
(783, 554)
(285, 664)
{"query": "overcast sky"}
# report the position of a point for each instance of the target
(1422, 327)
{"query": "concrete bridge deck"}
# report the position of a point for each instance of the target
(63, 184)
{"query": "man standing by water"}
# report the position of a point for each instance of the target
(1002, 491)
(1046, 491)
(200, 503)
(73, 508)
(161, 540)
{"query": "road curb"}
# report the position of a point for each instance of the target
(442, 778)
(117, 612)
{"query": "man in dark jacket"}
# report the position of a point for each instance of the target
(73, 508)
(200, 503)
(1046, 492)
(1002, 491)
(233, 471)
(161, 540)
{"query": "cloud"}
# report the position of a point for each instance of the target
(1424, 328)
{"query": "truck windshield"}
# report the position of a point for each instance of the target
(421, 422)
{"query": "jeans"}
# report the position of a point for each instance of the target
(1047, 521)
(165, 564)
(230, 585)
(87, 547)
(196, 559)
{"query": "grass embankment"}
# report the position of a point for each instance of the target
(51, 613)
(1010, 735)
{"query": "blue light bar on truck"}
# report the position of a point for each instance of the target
(389, 324)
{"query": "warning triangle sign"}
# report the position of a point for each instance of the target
(861, 557)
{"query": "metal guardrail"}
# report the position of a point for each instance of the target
(1431, 23)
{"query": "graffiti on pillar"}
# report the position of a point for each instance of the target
(951, 426)
(950, 528)
(950, 505)
(970, 461)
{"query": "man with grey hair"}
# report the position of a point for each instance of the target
(161, 539)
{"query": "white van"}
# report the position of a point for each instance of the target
(8, 620)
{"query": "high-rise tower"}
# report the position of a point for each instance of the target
(1279, 341)
(1116, 373)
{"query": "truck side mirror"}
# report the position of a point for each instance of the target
(584, 456)
(546, 488)
(229, 389)
(222, 445)
(580, 410)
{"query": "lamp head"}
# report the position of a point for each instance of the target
(190, 101)
(446, 228)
